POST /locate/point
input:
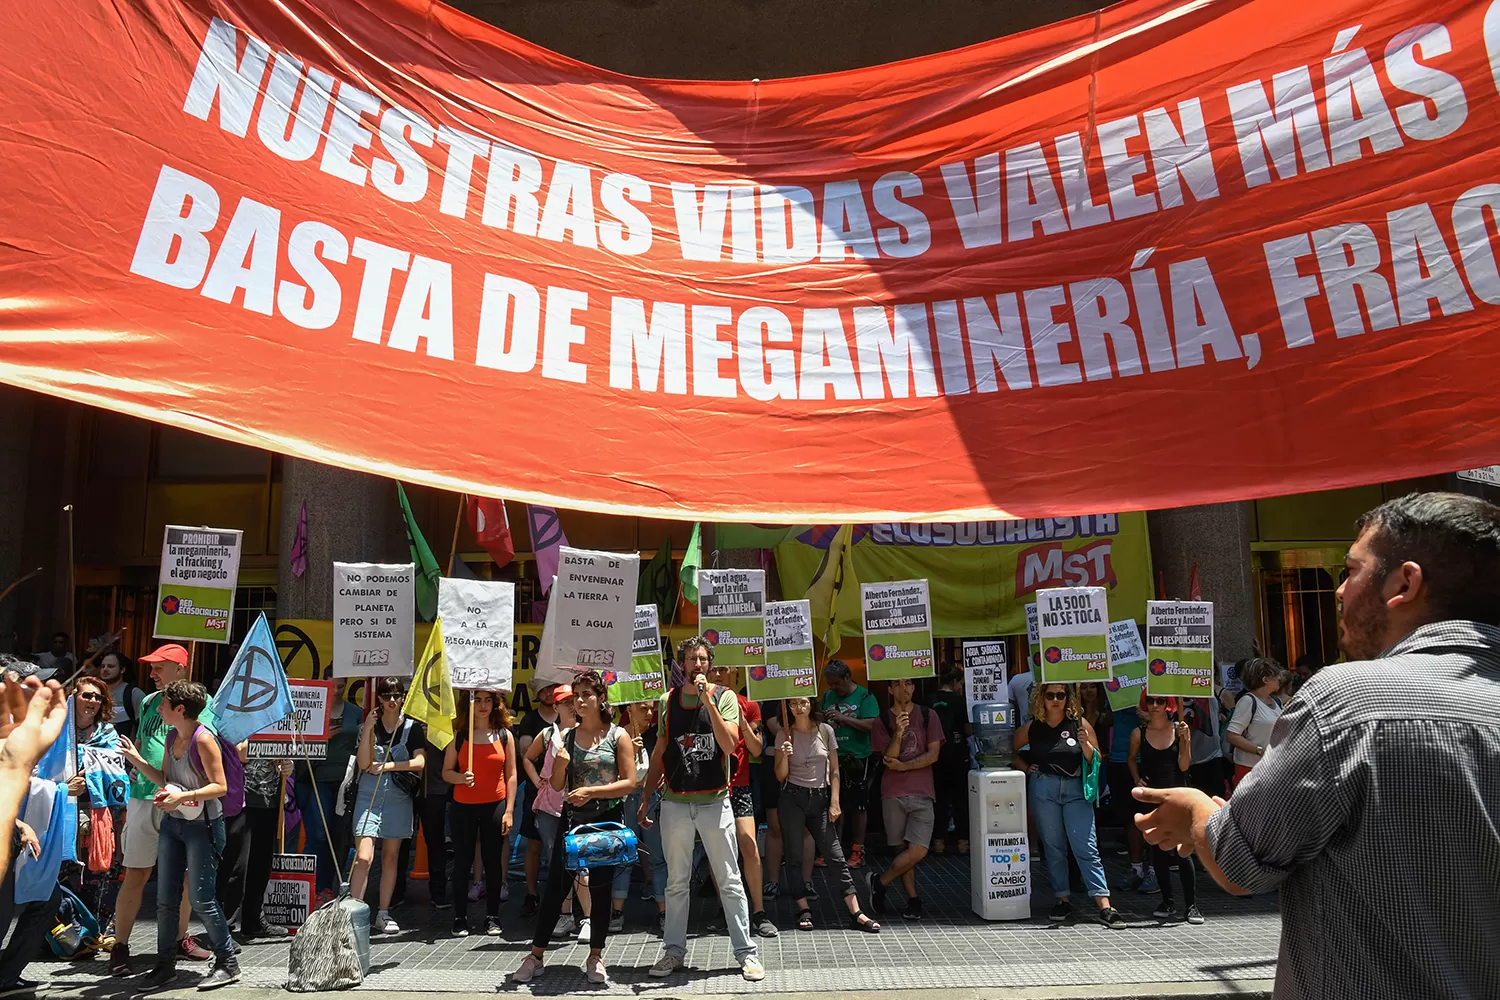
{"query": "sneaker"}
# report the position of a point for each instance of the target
(1136, 877)
(531, 968)
(1110, 917)
(857, 856)
(119, 960)
(191, 948)
(963, 846)
(913, 909)
(476, 891)
(616, 921)
(384, 924)
(226, 971)
(810, 891)
(763, 926)
(492, 926)
(529, 905)
(1149, 885)
(665, 966)
(594, 971)
(877, 891)
(752, 970)
(1061, 911)
(460, 927)
(565, 926)
(159, 978)
(505, 892)
(19, 988)
(1163, 912)
(1194, 915)
(585, 930)
(771, 890)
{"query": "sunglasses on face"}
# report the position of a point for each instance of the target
(89, 696)
(1056, 696)
(393, 696)
(1157, 702)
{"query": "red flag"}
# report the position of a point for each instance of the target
(1161, 586)
(492, 527)
(1194, 593)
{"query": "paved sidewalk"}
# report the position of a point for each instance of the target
(950, 949)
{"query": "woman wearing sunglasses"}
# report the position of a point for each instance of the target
(93, 712)
(1059, 742)
(383, 810)
(1164, 752)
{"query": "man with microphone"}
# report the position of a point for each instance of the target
(698, 730)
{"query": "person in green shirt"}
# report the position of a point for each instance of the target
(143, 819)
(851, 710)
(697, 732)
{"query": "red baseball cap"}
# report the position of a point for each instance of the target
(171, 651)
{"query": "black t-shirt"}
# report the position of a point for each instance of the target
(416, 737)
(1056, 751)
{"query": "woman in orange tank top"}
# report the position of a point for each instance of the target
(483, 798)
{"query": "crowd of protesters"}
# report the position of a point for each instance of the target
(697, 772)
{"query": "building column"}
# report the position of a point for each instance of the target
(351, 517)
(1217, 538)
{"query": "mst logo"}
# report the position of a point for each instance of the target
(1047, 565)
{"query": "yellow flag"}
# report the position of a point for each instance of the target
(430, 698)
(835, 575)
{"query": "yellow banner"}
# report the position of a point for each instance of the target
(982, 574)
(306, 647)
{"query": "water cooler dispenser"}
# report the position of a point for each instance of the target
(999, 854)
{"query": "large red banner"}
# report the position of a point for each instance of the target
(1174, 253)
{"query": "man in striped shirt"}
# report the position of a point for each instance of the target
(1376, 808)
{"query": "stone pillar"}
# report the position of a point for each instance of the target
(351, 517)
(1217, 538)
(17, 407)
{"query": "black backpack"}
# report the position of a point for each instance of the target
(949, 706)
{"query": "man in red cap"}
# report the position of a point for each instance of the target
(143, 820)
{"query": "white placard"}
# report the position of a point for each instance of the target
(1073, 625)
(312, 708)
(1489, 475)
(479, 631)
(374, 615)
(984, 672)
(1125, 644)
(1007, 866)
(1033, 638)
(591, 611)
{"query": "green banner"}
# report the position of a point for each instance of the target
(1180, 648)
(1127, 661)
(982, 574)
(194, 613)
(1073, 628)
(790, 670)
(897, 621)
(731, 613)
(646, 679)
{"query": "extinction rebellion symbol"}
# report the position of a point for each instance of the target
(431, 690)
(255, 691)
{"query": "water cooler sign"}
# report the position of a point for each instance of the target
(1007, 866)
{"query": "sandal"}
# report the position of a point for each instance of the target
(860, 922)
(804, 920)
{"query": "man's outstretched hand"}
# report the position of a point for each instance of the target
(32, 716)
(1176, 824)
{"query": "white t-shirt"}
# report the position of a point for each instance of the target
(1020, 687)
(1253, 719)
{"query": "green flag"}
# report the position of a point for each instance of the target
(755, 536)
(427, 567)
(692, 562)
(657, 584)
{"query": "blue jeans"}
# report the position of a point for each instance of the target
(189, 851)
(1064, 817)
(649, 840)
(312, 822)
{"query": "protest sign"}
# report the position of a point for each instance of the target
(1073, 630)
(645, 678)
(374, 609)
(591, 611)
(479, 621)
(304, 732)
(898, 630)
(790, 670)
(200, 568)
(984, 672)
(1033, 639)
(1180, 647)
(1007, 866)
(732, 615)
(1127, 664)
(289, 895)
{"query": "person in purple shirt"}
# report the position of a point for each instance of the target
(910, 736)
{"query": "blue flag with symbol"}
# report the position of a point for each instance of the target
(254, 695)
